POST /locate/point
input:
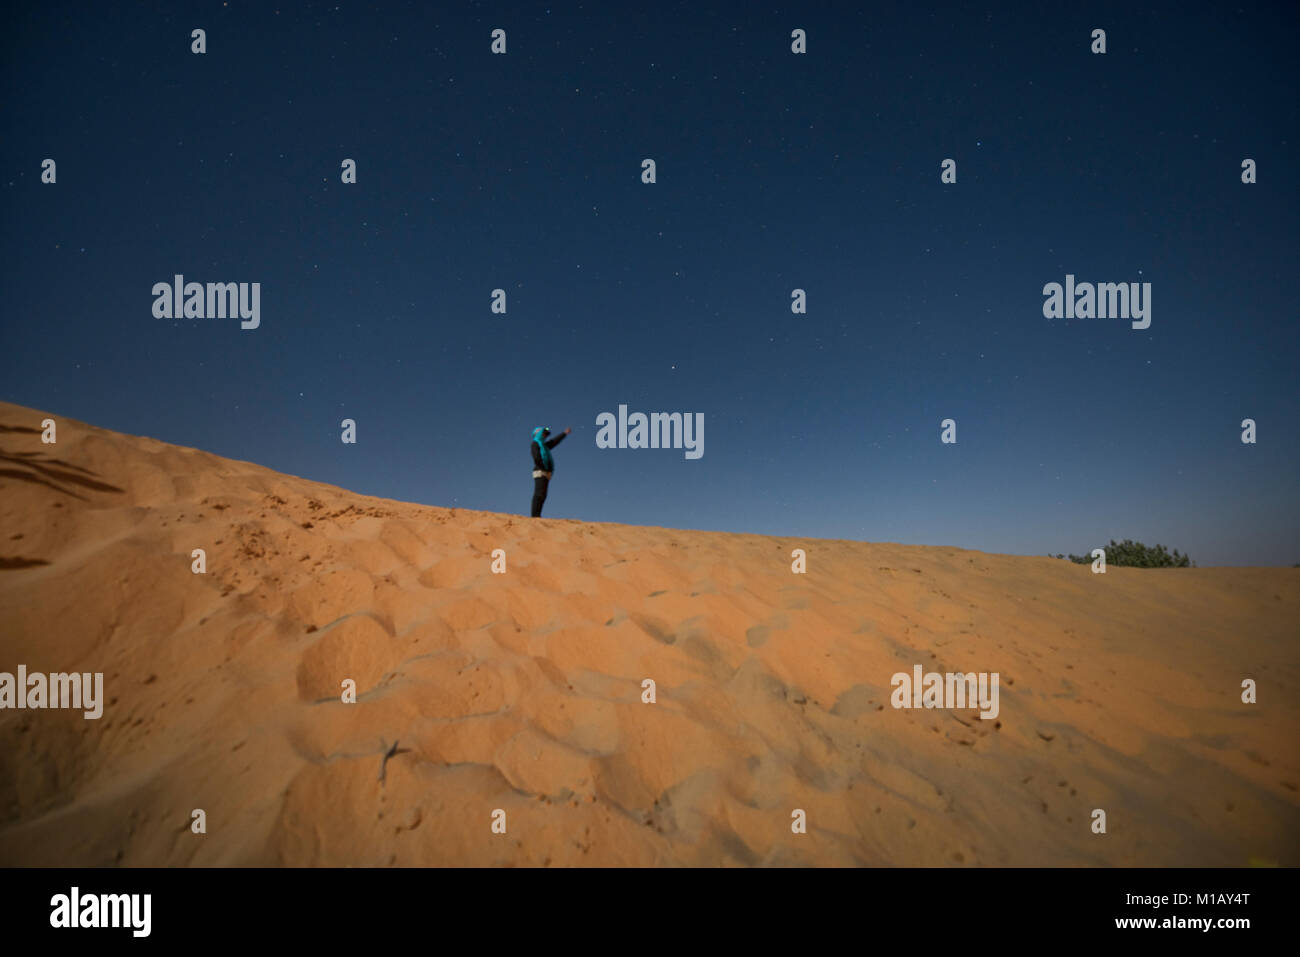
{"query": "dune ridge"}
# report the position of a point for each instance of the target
(523, 691)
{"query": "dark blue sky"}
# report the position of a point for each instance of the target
(775, 171)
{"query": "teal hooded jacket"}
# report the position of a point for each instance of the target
(541, 447)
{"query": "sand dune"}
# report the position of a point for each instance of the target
(523, 691)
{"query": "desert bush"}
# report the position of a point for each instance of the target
(1131, 554)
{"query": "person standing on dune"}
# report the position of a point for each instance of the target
(543, 464)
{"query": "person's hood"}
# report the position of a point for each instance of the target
(539, 432)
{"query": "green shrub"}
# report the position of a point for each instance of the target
(1131, 554)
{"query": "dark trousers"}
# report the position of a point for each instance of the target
(539, 495)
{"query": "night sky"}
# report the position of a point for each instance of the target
(775, 171)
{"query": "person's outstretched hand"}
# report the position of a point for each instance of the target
(568, 430)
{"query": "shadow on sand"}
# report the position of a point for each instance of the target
(41, 469)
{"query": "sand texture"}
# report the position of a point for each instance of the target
(522, 692)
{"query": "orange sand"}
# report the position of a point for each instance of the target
(522, 691)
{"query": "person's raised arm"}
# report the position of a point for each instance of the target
(552, 443)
